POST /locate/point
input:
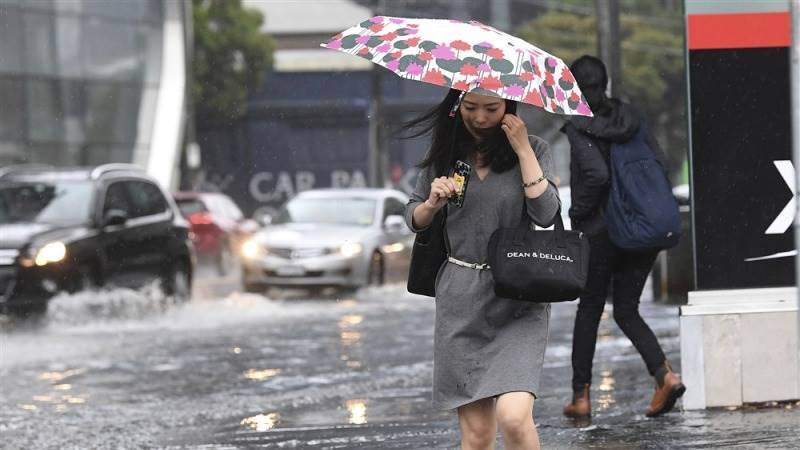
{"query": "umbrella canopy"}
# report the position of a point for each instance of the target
(468, 56)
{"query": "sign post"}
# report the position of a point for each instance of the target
(741, 321)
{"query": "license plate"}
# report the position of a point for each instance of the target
(290, 271)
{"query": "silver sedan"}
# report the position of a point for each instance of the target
(331, 237)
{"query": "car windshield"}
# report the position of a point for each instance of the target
(190, 206)
(346, 211)
(59, 203)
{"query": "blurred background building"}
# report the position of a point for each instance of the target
(87, 82)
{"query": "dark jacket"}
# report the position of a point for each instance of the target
(590, 141)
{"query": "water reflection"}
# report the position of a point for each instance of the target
(606, 386)
(350, 339)
(358, 411)
(261, 374)
(60, 376)
(261, 422)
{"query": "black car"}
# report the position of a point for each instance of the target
(64, 229)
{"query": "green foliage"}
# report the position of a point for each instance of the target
(231, 55)
(652, 61)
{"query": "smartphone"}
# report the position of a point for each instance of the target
(460, 176)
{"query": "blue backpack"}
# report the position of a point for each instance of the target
(642, 213)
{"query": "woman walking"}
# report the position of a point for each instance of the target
(625, 271)
(488, 351)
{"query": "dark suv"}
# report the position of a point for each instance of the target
(64, 229)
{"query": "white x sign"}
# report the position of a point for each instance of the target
(784, 220)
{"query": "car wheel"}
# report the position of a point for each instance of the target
(376, 274)
(178, 285)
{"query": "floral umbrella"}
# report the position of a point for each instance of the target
(468, 56)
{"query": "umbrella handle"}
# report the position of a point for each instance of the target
(457, 104)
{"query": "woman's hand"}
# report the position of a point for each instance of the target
(442, 188)
(517, 134)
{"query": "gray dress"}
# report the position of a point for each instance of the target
(484, 345)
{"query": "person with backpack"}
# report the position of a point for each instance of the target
(628, 217)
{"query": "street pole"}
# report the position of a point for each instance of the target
(608, 42)
(501, 14)
(794, 74)
(375, 161)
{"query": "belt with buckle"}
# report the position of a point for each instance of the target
(474, 266)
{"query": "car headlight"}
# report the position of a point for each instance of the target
(350, 249)
(252, 249)
(51, 253)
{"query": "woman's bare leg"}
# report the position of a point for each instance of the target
(478, 425)
(515, 418)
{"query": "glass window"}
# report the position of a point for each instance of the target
(189, 206)
(152, 37)
(146, 199)
(12, 153)
(392, 206)
(43, 5)
(112, 50)
(95, 154)
(102, 99)
(11, 107)
(60, 154)
(39, 44)
(73, 103)
(43, 110)
(62, 203)
(68, 46)
(116, 198)
(126, 115)
(349, 211)
(132, 10)
(10, 40)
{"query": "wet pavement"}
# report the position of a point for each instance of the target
(118, 369)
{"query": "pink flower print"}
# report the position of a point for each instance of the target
(534, 99)
(363, 39)
(460, 45)
(397, 54)
(484, 68)
(491, 83)
(335, 44)
(461, 86)
(485, 45)
(412, 42)
(412, 30)
(393, 65)
(425, 56)
(443, 52)
(583, 108)
(469, 69)
(495, 53)
(560, 95)
(396, 20)
(363, 51)
(412, 25)
(389, 36)
(514, 90)
(383, 48)
(434, 76)
(526, 76)
(377, 19)
(376, 27)
(414, 69)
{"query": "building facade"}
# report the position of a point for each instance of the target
(86, 82)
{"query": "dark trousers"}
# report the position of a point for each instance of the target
(626, 272)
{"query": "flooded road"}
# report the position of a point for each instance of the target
(229, 370)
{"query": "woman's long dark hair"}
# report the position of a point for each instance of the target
(451, 141)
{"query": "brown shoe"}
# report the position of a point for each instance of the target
(581, 405)
(667, 394)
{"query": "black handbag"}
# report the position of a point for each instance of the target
(428, 255)
(541, 266)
